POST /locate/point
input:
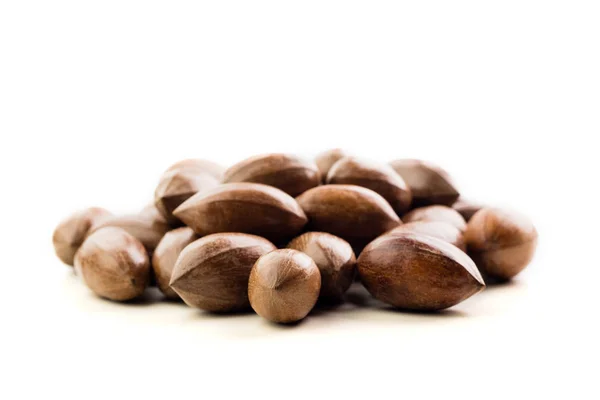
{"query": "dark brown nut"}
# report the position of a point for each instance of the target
(113, 264)
(212, 272)
(437, 213)
(177, 186)
(71, 232)
(466, 208)
(354, 213)
(326, 160)
(380, 178)
(418, 272)
(200, 166)
(428, 183)
(166, 254)
(334, 258)
(289, 173)
(243, 207)
(146, 230)
(284, 286)
(502, 243)
(441, 230)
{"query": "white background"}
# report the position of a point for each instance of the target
(97, 98)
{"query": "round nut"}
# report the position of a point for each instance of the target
(381, 178)
(286, 172)
(71, 232)
(284, 286)
(166, 254)
(428, 183)
(502, 243)
(326, 160)
(334, 258)
(441, 230)
(354, 213)
(113, 264)
(243, 207)
(418, 272)
(437, 213)
(212, 272)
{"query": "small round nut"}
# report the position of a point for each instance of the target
(502, 243)
(284, 286)
(72, 231)
(113, 264)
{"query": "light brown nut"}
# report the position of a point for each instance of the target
(436, 213)
(147, 230)
(466, 208)
(199, 166)
(381, 178)
(326, 159)
(177, 186)
(284, 286)
(428, 183)
(166, 254)
(334, 258)
(113, 264)
(501, 242)
(72, 231)
(243, 207)
(286, 172)
(441, 230)
(212, 272)
(354, 213)
(418, 272)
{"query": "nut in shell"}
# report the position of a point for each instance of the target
(148, 231)
(441, 230)
(286, 172)
(72, 231)
(326, 159)
(166, 254)
(113, 264)
(418, 272)
(428, 183)
(437, 213)
(284, 286)
(212, 272)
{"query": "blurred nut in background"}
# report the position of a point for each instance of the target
(71, 232)
(113, 264)
(466, 208)
(326, 159)
(437, 213)
(199, 166)
(501, 242)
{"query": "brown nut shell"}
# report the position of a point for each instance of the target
(147, 230)
(177, 186)
(501, 242)
(354, 213)
(113, 264)
(286, 172)
(212, 272)
(418, 272)
(334, 258)
(441, 230)
(284, 286)
(199, 166)
(381, 178)
(243, 207)
(72, 231)
(326, 159)
(436, 213)
(166, 254)
(428, 183)
(466, 208)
